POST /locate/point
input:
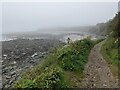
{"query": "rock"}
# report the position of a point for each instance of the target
(23, 53)
(91, 80)
(7, 77)
(43, 53)
(18, 53)
(35, 54)
(1, 61)
(7, 86)
(13, 73)
(94, 84)
(4, 55)
(104, 85)
(14, 62)
(3, 66)
(4, 71)
(88, 74)
(26, 66)
(11, 81)
(31, 61)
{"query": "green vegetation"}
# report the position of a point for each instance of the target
(110, 53)
(61, 69)
(50, 78)
(74, 56)
(110, 46)
(64, 67)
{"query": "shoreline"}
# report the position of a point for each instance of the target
(62, 37)
(22, 54)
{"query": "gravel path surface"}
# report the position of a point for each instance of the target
(97, 72)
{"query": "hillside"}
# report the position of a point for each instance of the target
(105, 28)
(110, 47)
(63, 68)
(99, 29)
(101, 71)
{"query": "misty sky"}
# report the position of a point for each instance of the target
(33, 16)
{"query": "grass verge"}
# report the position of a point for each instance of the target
(109, 51)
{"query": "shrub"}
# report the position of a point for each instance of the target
(52, 78)
(25, 84)
(51, 74)
(74, 57)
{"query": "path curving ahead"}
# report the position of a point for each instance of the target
(97, 72)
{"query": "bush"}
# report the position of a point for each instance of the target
(110, 51)
(52, 78)
(51, 73)
(25, 84)
(74, 57)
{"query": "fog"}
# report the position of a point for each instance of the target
(31, 16)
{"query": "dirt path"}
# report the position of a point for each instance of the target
(97, 72)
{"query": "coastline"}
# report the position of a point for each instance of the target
(21, 53)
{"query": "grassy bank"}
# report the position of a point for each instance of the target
(111, 46)
(61, 69)
(109, 51)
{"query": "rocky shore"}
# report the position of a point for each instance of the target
(21, 54)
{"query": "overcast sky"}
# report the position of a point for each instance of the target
(32, 16)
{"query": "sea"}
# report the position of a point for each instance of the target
(62, 37)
